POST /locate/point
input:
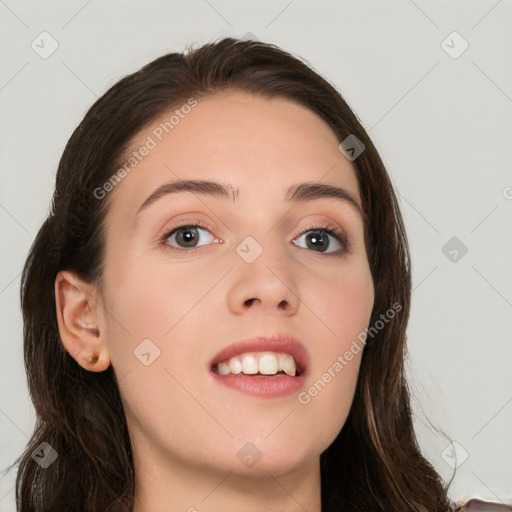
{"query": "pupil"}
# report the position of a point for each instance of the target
(187, 235)
(318, 237)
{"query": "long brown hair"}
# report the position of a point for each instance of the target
(374, 464)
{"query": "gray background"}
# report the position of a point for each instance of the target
(441, 119)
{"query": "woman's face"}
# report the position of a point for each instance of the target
(258, 267)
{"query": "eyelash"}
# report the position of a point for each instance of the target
(327, 228)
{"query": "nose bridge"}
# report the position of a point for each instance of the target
(265, 275)
(264, 242)
(263, 239)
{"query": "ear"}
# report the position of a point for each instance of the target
(78, 320)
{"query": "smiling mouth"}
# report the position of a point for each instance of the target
(259, 364)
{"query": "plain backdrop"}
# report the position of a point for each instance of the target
(432, 84)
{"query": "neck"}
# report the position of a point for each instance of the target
(177, 487)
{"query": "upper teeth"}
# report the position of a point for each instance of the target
(266, 363)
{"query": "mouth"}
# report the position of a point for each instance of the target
(265, 366)
(259, 364)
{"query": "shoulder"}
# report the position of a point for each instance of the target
(476, 505)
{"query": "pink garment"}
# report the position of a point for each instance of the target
(476, 505)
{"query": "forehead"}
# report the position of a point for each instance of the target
(229, 119)
(258, 144)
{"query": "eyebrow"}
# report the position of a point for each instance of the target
(297, 193)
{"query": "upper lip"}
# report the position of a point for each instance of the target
(283, 343)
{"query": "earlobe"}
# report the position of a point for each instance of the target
(78, 321)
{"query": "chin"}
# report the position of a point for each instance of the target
(276, 460)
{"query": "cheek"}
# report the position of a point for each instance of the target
(150, 301)
(150, 315)
(343, 301)
(328, 396)
(164, 306)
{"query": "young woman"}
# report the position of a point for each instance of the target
(215, 309)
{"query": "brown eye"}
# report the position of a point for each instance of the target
(324, 240)
(187, 237)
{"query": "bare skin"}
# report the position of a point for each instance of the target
(186, 429)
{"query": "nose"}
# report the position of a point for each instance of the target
(265, 286)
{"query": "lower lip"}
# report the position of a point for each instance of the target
(261, 385)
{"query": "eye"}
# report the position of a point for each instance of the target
(187, 237)
(319, 239)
